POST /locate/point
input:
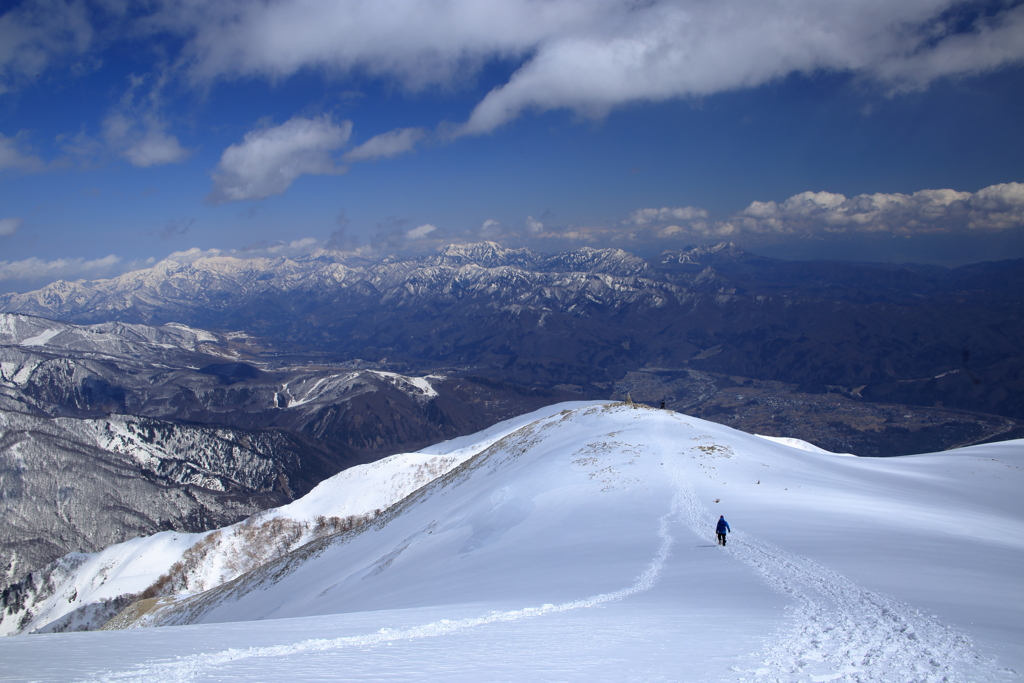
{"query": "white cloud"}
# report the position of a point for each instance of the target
(997, 207)
(13, 159)
(75, 268)
(386, 145)
(421, 44)
(303, 246)
(35, 34)
(683, 213)
(155, 147)
(995, 41)
(142, 141)
(589, 55)
(9, 226)
(421, 231)
(994, 208)
(671, 231)
(136, 130)
(269, 160)
(585, 55)
(192, 255)
(691, 48)
(491, 228)
(673, 222)
(533, 227)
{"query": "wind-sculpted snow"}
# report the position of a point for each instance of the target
(577, 545)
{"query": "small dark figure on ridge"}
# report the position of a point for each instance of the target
(722, 529)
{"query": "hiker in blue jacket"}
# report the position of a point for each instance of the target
(722, 529)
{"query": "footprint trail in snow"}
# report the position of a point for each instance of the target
(188, 668)
(836, 630)
(844, 633)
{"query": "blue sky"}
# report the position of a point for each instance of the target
(862, 130)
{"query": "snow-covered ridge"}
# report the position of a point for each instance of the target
(82, 587)
(837, 569)
(111, 338)
(801, 444)
(519, 276)
(419, 386)
(614, 505)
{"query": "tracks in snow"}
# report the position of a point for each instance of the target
(844, 633)
(837, 630)
(188, 668)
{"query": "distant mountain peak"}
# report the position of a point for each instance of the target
(703, 254)
(487, 254)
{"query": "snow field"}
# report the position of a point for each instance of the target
(579, 547)
(191, 668)
(133, 566)
(839, 631)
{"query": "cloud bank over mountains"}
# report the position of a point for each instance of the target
(33, 269)
(994, 208)
(440, 105)
(808, 214)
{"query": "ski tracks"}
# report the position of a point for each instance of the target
(842, 632)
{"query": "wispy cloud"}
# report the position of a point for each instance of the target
(175, 228)
(68, 269)
(386, 145)
(143, 141)
(14, 159)
(421, 231)
(136, 129)
(668, 50)
(991, 209)
(9, 226)
(35, 35)
(269, 160)
(587, 56)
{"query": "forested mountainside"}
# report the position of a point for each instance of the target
(111, 431)
(897, 333)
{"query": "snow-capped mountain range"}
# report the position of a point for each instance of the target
(896, 333)
(577, 544)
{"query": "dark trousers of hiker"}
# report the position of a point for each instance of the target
(721, 539)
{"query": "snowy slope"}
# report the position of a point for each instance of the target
(83, 582)
(580, 548)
